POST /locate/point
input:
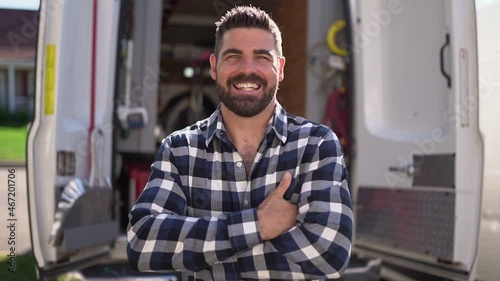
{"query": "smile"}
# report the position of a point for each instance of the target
(247, 86)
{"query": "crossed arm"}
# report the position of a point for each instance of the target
(314, 235)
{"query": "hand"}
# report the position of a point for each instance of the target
(275, 214)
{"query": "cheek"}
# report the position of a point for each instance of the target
(220, 76)
(224, 72)
(274, 75)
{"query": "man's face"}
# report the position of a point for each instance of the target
(247, 71)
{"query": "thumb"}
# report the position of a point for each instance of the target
(284, 184)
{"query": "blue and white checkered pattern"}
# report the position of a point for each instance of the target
(197, 213)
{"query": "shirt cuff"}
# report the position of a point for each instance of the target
(243, 229)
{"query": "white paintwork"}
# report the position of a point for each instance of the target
(469, 147)
(68, 26)
(488, 22)
(403, 105)
(40, 137)
(401, 95)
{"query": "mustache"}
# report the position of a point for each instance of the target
(246, 78)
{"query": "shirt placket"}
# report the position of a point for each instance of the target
(242, 182)
(246, 202)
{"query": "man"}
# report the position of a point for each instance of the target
(252, 192)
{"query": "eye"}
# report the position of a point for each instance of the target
(263, 58)
(233, 57)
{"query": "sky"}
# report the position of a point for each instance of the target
(20, 4)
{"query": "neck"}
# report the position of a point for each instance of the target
(247, 130)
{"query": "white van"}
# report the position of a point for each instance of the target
(424, 167)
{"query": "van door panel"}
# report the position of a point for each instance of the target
(417, 168)
(70, 139)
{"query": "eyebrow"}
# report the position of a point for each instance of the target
(262, 52)
(231, 51)
(237, 51)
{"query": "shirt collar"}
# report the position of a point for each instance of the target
(277, 124)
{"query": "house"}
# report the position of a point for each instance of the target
(18, 37)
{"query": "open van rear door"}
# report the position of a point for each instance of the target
(417, 171)
(69, 142)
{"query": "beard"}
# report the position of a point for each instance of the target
(246, 106)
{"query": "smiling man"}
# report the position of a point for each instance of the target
(252, 192)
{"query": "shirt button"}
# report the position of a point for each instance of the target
(246, 203)
(239, 164)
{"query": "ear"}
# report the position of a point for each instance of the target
(282, 61)
(213, 67)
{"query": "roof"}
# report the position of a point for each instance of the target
(18, 34)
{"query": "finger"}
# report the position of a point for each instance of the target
(284, 184)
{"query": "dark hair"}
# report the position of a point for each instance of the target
(247, 17)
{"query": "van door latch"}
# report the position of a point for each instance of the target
(406, 170)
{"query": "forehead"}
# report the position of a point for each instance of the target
(248, 39)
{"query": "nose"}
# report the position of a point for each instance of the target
(247, 66)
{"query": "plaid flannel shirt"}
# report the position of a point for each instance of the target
(197, 213)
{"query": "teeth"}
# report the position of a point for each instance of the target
(247, 86)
